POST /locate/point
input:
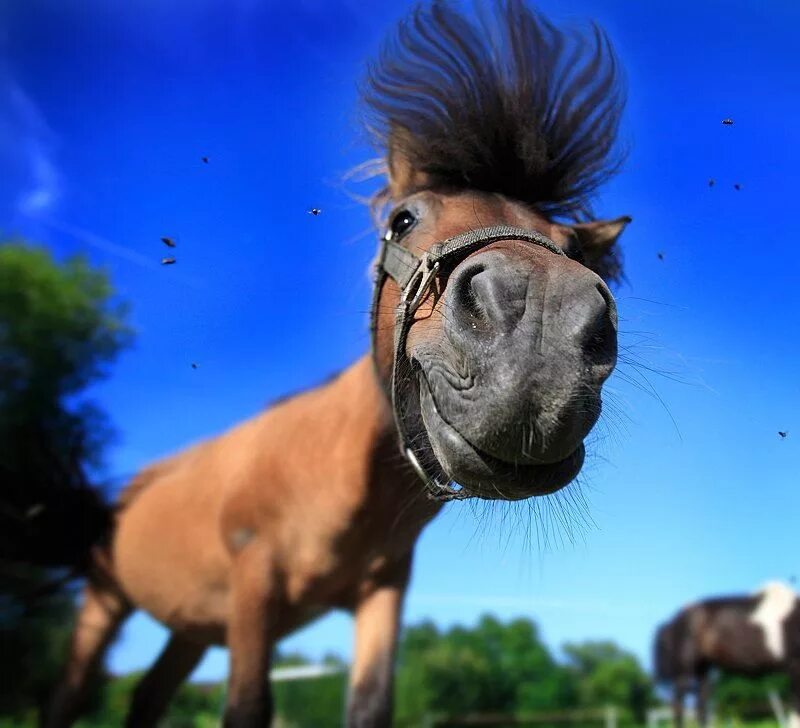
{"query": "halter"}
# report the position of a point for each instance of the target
(415, 276)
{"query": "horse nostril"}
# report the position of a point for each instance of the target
(466, 299)
(489, 293)
(611, 304)
(600, 334)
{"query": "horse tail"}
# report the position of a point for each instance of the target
(664, 653)
(51, 516)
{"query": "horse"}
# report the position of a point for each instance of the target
(493, 331)
(748, 635)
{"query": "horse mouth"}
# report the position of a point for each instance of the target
(484, 475)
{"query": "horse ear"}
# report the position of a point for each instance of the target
(404, 178)
(597, 240)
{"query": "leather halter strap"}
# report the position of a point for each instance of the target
(415, 276)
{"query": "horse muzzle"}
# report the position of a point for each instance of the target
(513, 387)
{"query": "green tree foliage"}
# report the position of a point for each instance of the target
(194, 706)
(60, 329)
(505, 668)
(493, 667)
(747, 697)
(310, 703)
(605, 674)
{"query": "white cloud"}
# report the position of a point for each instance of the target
(27, 146)
(45, 184)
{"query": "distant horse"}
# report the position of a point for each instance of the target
(493, 333)
(746, 635)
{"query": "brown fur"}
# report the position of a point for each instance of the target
(308, 503)
(306, 507)
(262, 479)
(329, 514)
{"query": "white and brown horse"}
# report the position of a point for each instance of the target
(746, 635)
(493, 333)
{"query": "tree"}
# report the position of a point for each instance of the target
(492, 667)
(60, 329)
(748, 697)
(312, 702)
(605, 674)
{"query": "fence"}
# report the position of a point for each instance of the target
(607, 716)
(663, 714)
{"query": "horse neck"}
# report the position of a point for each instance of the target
(360, 412)
(355, 421)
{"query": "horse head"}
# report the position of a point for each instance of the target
(494, 326)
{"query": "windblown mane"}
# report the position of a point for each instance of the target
(504, 103)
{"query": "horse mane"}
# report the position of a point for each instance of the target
(505, 102)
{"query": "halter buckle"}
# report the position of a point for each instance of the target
(419, 285)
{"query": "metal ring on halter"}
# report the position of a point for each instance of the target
(412, 458)
(441, 492)
(419, 285)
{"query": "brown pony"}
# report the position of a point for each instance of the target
(488, 360)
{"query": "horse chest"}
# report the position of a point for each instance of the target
(335, 564)
(774, 608)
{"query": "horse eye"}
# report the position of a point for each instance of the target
(402, 222)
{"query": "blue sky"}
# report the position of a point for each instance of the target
(105, 111)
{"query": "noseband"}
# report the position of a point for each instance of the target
(415, 276)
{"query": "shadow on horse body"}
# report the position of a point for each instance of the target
(493, 332)
(746, 635)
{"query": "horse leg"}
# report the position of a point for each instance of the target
(251, 637)
(154, 691)
(794, 693)
(678, 694)
(703, 693)
(377, 623)
(101, 615)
